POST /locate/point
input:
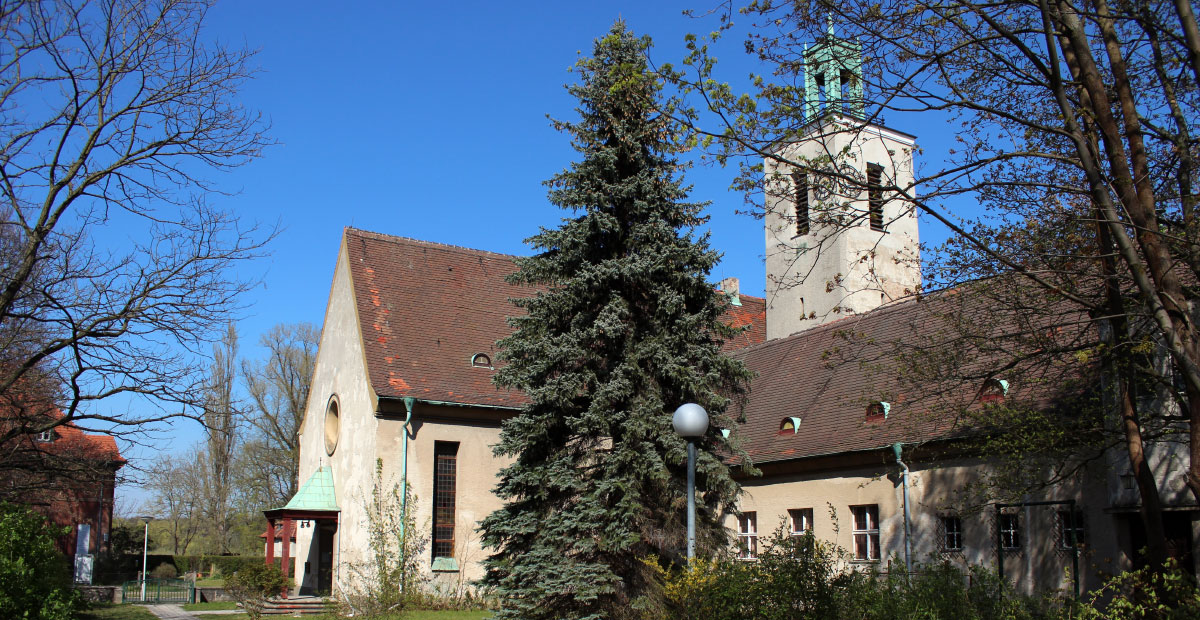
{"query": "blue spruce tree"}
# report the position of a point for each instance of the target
(626, 328)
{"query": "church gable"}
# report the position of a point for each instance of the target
(430, 315)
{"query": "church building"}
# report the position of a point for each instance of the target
(402, 391)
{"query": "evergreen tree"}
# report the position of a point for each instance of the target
(624, 330)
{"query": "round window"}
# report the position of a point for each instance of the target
(333, 425)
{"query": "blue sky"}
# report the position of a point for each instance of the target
(426, 120)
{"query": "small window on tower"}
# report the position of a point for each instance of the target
(875, 195)
(800, 183)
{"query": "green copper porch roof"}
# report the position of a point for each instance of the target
(316, 494)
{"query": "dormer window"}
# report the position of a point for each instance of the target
(789, 426)
(993, 391)
(481, 360)
(878, 411)
(46, 436)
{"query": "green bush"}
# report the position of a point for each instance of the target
(253, 584)
(1170, 594)
(801, 577)
(35, 581)
(164, 571)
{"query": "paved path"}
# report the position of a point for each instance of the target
(170, 612)
(175, 612)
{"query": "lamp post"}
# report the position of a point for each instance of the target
(691, 421)
(145, 548)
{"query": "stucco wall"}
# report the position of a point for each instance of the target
(847, 267)
(341, 371)
(936, 490)
(475, 430)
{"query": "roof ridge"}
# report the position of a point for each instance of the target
(420, 242)
(895, 306)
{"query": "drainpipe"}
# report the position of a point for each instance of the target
(898, 448)
(408, 407)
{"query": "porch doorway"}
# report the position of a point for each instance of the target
(325, 535)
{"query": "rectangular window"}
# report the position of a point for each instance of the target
(748, 536)
(802, 520)
(45, 436)
(1071, 532)
(445, 481)
(800, 184)
(951, 534)
(875, 195)
(866, 532)
(1010, 531)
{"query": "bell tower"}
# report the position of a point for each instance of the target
(841, 233)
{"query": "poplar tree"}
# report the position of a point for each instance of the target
(625, 328)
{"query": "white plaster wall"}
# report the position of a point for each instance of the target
(933, 491)
(476, 431)
(340, 370)
(842, 266)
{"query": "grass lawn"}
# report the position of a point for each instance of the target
(113, 611)
(448, 615)
(213, 606)
(210, 582)
(219, 616)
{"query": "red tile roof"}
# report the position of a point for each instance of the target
(828, 376)
(425, 309)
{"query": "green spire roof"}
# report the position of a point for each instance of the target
(833, 79)
(316, 494)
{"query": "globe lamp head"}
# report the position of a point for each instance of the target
(690, 420)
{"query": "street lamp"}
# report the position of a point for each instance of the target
(145, 548)
(691, 421)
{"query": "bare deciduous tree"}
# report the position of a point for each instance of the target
(221, 417)
(116, 267)
(279, 388)
(177, 486)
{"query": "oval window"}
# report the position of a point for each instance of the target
(333, 425)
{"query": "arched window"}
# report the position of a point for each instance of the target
(878, 411)
(993, 391)
(481, 360)
(789, 426)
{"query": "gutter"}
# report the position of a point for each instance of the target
(409, 400)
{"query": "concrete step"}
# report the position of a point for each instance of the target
(297, 606)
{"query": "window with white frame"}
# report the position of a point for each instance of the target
(866, 532)
(951, 539)
(45, 436)
(748, 536)
(802, 520)
(1071, 532)
(1010, 531)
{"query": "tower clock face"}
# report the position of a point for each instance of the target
(843, 180)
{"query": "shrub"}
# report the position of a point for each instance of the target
(1170, 594)
(253, 584)
(35, 581)
(164, 571)
(389, 578)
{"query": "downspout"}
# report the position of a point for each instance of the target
(408, 407)
(898, 448)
